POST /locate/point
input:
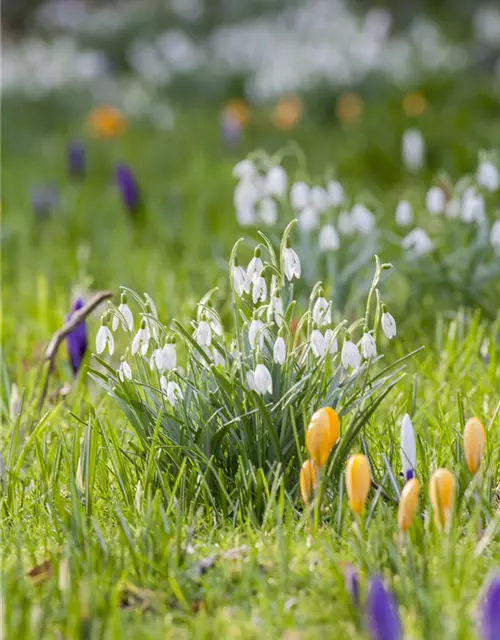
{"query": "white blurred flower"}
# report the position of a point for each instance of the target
(244, 169)
(241, 283)
(260, 380)
(259, 290)
(124, 317)
(331, 342)
(318, 343)
(267, 212)
(404, 213)
(308, 219)
(488, 175)
(275, 310)
(495, 235)
(322, 312)
(124, 371)
(319, 199)
(246, 195)
(255, 328)
(299, 195)
(279, 350)
(156, 360)
(172, 389)
(214, 321)
(368, 346)
(350, 356)
(203, 334)
(291, 264)
(103, 339)
(217, 357)
(408, 448)
(169, 356)
(345, 223)
(472, 206)
(246, 216)
(453, 208)
(14, 402)
(413, 149)
(417, 241)
(435, 200)
(276, 182)
(335, 193)
(254, 268)
(141, 340)
(362, 219)
(388, 325)
(328, 239)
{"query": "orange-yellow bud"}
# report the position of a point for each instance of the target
(408, 504)
(474, 443)
(358, 481)
(106, 122)
(307, 480)
(322, 433)
(442, 495)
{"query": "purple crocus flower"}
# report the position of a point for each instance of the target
(231, 130)
(76, 341)
(128, 188)
(45, 200)
(76, 159)
(382, 611)
(491, 610)
(352, 585)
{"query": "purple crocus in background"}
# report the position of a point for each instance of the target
(76, 159)
(76, 340)
(491, 610)
(352, 584)
(382, 612)
(128, 187)
(45, 199)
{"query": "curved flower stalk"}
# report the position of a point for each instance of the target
(223, 398)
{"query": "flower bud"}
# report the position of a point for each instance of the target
(322, 433)
(408, 504)
(474, 443)
(442, 495)
(307, 481)
(358, 481)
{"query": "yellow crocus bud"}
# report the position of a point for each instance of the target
(474, 443)
(358, 481)
(442, 495)
(322, 433)
(307, 480)
(408, 504)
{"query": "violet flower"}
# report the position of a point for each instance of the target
(45, 200)
(382, 611)
(76, 159)
(76, 340)
(491, 610)
(352, 585)
(128, 187)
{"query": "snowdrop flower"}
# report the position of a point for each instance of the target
(218, 358)
(417, 241)
(319, 199)
(322, 311)
(267, 211)
(350, 355)
(259, 290)
(413, 149)
(244, 169)
(328, 238)
(172, 389)
(169, 355)
(495, 235)
(213, 320)
(141, 339)
(279, 350)
(124, 315)
(388, 324)
(408, 448)
(246, 216)
(331, 342)
(255, 267)
(299, 195)
(276, 182)
(345, 223)
(488, 175)
(156, 360)
(435, 200)
(453, 208)
(275, 309)
(14, 403)
(335, 193)
(404, 213)
(260, 380)
(203, 334)
(472, 206)
(246, 195)
(103, 339)
(318, 343)
(291, 263)
(255, 327)
(241, 283)
(368, 346)
(363, 219)
(124, 371)
(308, 219)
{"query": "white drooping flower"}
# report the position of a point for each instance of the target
(156, 360)
(322, 311)
(247, 194)
(267, 211)
(254, 268)
(319, 199)
(217, 357)
(331, 342)
(318, 343)
(169, 356)
(259, 290)
(413, 149)
(213, 320)
(244, 169)
(279, 350)
(362, 219)
(255, 329)
(435, 200)
(388, 325)
(308, 219)
(408, 448)
(488, 175)
(203, 334)
(103, 339)
(260, 380)
(368, 346)
(124, 371)
(350, 356)
(246, 216)
(123, 316)
(495, 235)
(141, 340)
(345, 223)
(453, 208)
(404, 213)
(241, 283)
(472, 206)
(275, 310)
(299, 195)
(172, 389)
(291, 264)
(14, 403)
(335, 193)
(417, 241)
(276, 182)
(328, 239)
